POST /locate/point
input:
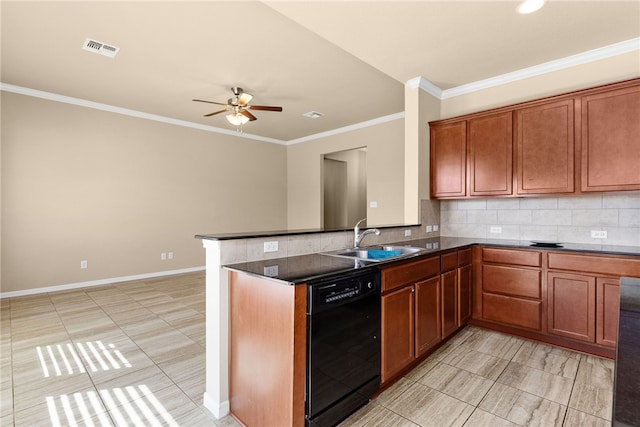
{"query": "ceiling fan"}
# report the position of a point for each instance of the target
(238, 107)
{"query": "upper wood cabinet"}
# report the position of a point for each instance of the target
(545, 148)
(490, 155)
(577, 142)
(611, 140)
(448, 158)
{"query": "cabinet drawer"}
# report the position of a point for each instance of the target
(518, 312)
(511, 281)
(464, 257)
(511, 256)
(595, 264)
(410, 272)
(449, 261)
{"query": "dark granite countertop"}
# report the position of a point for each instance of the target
(626, 397)
(303, 268)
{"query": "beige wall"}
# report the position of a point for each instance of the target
(609, 70)
(82, 184)
(385, 174)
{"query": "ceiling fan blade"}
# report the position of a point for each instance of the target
(249, 115)
(264, 107)
(215, 112)
(208, 102)
(244, 99)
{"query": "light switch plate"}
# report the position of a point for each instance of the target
(407, 233)
(429, 229)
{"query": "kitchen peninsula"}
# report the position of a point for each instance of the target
(298, 260)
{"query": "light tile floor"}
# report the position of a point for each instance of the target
(485, 378)
(133, 353)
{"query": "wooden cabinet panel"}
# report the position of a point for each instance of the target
(397, 331)
(449, 284)
(267, 318)
(409, 272)
(465, 257)
(448, 261)
(611, 140)
(545, 148)
(490, 142)
(607, 310)
(599, 264)
(464, 294)
(511, 281)
(448, 160)
(571, 303)
(522, 313)
(428, 329)
(511, 257)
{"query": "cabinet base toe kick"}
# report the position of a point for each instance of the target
(607, 352)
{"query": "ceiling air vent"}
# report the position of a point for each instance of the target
(100, 48)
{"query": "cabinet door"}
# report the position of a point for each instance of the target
(448, 160)
(449, 285)
(397, 331)
(428, 329)
(571, 303)
(490, 141)
(607, 311)
(545, 148)
(611, 140)
(464, 294)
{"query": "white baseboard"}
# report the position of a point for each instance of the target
(97, 282)
(218, 409)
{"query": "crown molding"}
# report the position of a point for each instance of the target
(525, 73)
(425, 85)
(132, 113)
(349, 128)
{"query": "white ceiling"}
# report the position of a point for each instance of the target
(347, 59)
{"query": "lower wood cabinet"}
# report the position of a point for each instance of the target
(571, 306)
(565, 298)
(423, 302)
(398, 340)
(427, 315)
(607, 310)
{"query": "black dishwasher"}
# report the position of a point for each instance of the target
(343, 346)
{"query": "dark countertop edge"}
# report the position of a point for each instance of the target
(258, 234)
(445, 244)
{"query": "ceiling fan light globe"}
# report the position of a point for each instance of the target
(237, 119)
(244, 98)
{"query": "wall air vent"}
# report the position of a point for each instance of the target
(100, 48)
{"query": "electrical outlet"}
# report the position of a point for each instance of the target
(429, 229)
(598, 234)
(435, 227)
(163, 256)
(271, 246)
(271, 270)
(84, 264)
(373, 204)
(407, 233)
(496, 230)
(170, 255)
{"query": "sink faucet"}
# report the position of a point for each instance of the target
(357, 236)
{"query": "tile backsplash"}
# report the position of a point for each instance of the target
(565, 219)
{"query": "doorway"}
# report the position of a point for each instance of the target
(344, 188)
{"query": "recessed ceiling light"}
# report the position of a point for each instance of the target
(529, 6)
(313, 114)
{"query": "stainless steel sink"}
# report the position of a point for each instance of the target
(375, 253)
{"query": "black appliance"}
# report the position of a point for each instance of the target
(343, 346)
